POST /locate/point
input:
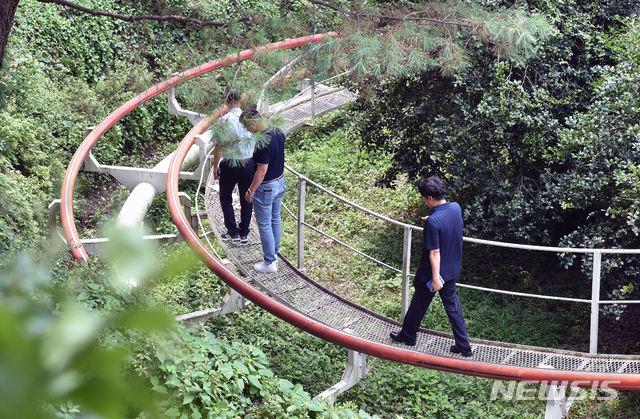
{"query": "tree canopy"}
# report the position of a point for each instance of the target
(540, 151)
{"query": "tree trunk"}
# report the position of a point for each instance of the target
(7, 13)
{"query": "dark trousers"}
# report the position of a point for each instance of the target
(232, 174)
(420, 303)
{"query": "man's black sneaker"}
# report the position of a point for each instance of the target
(244, 239)
(457, 350)
(228, 237)
(401, 339)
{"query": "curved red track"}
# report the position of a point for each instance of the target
(380, 350)
(66, 194)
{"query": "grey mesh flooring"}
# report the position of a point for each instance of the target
(295, 117)
(301, 293)
(293, 288)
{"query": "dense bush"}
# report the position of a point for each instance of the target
(537, 152)
(22, 215)
(598, 153)
(489, 130)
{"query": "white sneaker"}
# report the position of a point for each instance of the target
(263, 267)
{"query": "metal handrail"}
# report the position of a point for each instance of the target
(317, 230)
(408, 229)
(351, 203)
(262, 97)
(551, 249)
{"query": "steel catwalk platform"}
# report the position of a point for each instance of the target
(298, 300)
(293, 288)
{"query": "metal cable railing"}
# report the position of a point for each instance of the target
(595, 300)
(292, 287)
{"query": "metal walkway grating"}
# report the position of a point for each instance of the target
(293, 288)
(296, 116)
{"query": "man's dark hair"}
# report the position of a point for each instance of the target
(249, 116)
(433, 187)
(231, 95)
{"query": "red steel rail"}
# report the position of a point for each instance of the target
(306, 323)
(66, 194)
(380, 350)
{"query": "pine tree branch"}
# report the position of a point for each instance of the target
(445, 22)
(159, 18)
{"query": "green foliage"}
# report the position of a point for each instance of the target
(204, 376)
(489, 131)
(626, 405)
(416, 38)
(186, 285)
(87, 343)
(54, 358)
(421, 393)
(294, 355)
(399, 391)
(21, 214)
(6, 86)
(599, 155)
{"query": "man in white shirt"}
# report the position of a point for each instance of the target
(233, 165)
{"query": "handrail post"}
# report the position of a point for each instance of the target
(302, 186)
(406, 266)
(313, 102)
(595, 302)
(185, 200)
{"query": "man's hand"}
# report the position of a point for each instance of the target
(248, 196)
(216, 172)
(436, 285)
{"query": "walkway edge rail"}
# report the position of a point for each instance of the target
(66, 193)
(595, 301)
(344, 339)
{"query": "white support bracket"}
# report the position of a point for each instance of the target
(355, 371)
(204, 144)
(558, 404)
(233, 301)
(176, 109)
(130, 177)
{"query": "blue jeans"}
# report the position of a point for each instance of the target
(267, 203)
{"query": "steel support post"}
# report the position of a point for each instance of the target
(54, 209)
(302, 193)
(595, 302)
(233, 301)
(406, 267)
(556, 401)
(185, 200)
(355, 371)
(204, 143)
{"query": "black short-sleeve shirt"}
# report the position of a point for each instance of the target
(271, 154)
(443, 230)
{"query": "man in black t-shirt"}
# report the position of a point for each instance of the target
(440, 265)
(267, 188)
